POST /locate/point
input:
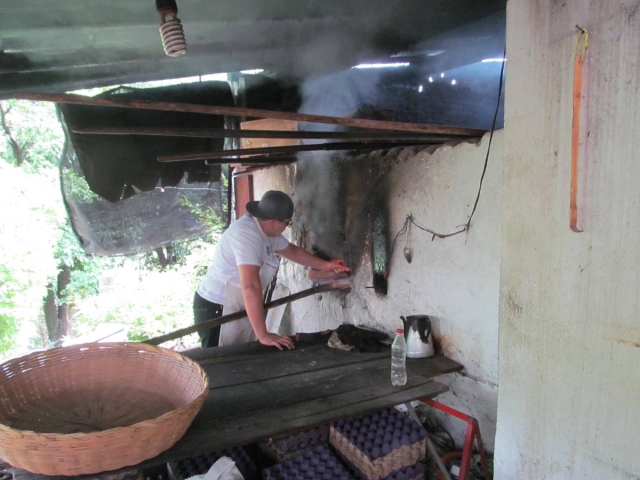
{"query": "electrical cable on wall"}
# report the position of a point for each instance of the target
(465, 228)
(441, 438)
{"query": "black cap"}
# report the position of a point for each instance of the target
(274, 205)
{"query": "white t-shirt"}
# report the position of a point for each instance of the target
(244, 243)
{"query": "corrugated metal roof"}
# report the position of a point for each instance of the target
(62, 45)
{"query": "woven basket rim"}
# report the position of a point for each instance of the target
(80, 453)
(78, 346)
(79, 435)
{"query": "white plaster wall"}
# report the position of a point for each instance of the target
(454, 280)
(569, 396)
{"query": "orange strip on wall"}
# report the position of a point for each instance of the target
(575, 132)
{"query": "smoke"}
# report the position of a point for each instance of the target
(322, 186)
(462, 92)
(339, 94)
(318, 198)
(329, 51)
(320, 189)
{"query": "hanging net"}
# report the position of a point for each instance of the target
(121, 200)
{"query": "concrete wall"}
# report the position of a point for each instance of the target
(455, 280)
(569, 330)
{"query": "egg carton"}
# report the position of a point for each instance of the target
(379, 444)
(280, 449)
(158, 472)
(319, 463)
(200, 464)
(414, 472)
(271, 455)
(15, 473)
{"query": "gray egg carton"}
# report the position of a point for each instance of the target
(304, 439)
(200, 464)
(413, 472)
(319, 463)
(379, 444)
(280, 449)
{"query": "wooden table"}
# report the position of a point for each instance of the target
(258, 392)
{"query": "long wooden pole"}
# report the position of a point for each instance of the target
(227, 133)
(257, 160)
(242, 313)
(286, 149)
(244, 112)
(265, 160)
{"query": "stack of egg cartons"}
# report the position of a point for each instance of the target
(283, 448)
(319, 463)
(384, 445)
(200, 464)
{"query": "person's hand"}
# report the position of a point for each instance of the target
(337, 265)
(273, 340)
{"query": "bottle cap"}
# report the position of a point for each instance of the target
(399, 330)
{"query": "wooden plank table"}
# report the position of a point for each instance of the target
(257, 392)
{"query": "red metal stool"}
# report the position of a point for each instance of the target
(473, 433)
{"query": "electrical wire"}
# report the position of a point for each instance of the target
(442, 439)
(464, 228)
(493, 127)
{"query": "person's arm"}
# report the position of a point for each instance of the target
(252, 296)
(301, 256)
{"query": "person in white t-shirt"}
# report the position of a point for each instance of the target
(243, 266)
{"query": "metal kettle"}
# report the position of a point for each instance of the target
(417, 334)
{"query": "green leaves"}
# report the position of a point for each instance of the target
(208, 216)
(32, 134)
(8, 324)
(38, 244)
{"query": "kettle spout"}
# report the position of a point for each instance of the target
(404, 322)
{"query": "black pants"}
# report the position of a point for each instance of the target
(204, 310)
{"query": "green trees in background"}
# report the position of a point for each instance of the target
(49, 288)
(33, 137)
(32, 212)
(8, 325)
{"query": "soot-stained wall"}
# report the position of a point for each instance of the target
(455, 280)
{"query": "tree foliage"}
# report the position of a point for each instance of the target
(208, 216)
(8, 323)
(28, 235)
(33, 137)
(135, 294)
(32, 149)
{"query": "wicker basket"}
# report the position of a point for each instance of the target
(95, 407)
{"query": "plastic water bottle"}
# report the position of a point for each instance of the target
(398, 359)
